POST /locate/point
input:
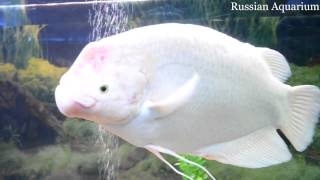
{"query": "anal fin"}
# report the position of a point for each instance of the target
(259, 149)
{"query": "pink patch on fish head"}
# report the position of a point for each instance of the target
(93, 56)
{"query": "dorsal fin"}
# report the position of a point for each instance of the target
(277, 63)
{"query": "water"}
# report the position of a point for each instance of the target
(108, 165)
(60, 4)
(37, 142)
(107, 19)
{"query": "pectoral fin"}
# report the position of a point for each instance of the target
(174, 101)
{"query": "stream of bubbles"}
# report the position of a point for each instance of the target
(107, 19)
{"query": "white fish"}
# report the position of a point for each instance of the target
(178, 88)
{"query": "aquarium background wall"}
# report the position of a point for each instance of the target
(38, 44)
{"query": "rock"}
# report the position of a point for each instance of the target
(298, 39)
(24, 119)
(129, 156)
(64, 175)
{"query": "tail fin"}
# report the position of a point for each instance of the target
(304, 104)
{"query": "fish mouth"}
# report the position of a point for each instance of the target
(72, 105)
(85, 101)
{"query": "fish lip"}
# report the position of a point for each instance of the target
(74, 112)
(82, 106)
(85, 102)
(69, 105)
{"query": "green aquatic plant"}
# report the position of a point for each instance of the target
(248, 26)
(19, 42)
(192, 171)
(297, 168)
(85, 131)
(49, 160)
(7, 68)
(10, 134)
(7, 71)
(305, 75)
(11, 158)
(39, 77)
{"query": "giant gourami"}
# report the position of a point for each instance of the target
(181, 88)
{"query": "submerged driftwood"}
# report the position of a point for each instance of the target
(26, 117)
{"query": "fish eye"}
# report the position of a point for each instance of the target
(104, 88)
